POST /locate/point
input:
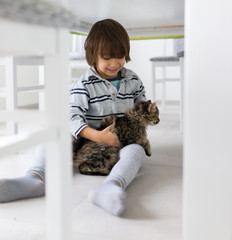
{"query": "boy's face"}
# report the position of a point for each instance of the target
(108, 67)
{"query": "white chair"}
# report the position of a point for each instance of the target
(77, 65)
(164, 63)
(11, 90)
(41, 28)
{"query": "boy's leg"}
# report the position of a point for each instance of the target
(32, 184)
(111, 196)
(38, 165)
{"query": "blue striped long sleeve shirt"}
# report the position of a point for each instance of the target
(93, 98)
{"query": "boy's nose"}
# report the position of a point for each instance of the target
(113, 62)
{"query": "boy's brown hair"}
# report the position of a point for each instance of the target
(107, 37)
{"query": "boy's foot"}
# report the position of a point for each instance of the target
(110, 197)
(28, 186)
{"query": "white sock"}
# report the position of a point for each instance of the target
(110, 197)
(28, 186)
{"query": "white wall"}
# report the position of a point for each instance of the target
(208, 121)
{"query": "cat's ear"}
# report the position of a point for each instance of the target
(151, 106)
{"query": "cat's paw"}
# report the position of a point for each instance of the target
(148, 152)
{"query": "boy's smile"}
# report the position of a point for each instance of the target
(109, 67)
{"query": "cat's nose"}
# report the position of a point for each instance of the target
(157, 121)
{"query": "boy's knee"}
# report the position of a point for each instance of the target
(133, 150)
(136, 147)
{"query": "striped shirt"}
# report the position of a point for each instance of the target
(93, 98)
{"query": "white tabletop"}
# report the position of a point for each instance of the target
(139, 17)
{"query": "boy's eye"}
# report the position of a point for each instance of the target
(108, 57)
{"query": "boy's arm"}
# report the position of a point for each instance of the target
(103, 136)
(140, 93)
(79, 98)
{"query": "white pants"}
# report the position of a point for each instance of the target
(124, 171)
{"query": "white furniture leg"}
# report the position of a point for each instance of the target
(41, 94)
(58, 164)
(11, 97)
(181, 93)
(154, 82)
(163, 98)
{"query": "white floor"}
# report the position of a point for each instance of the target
(154, 202)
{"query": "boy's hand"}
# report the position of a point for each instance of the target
(109, 138)
(103, 136)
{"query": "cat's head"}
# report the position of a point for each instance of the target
(148, 111)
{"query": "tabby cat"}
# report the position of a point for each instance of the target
(99, 158)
